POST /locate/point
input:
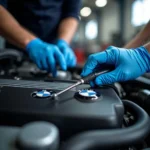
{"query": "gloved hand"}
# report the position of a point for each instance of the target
(129, 64)
(46, 55)
(67, 53)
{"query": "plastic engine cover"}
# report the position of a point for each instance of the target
(25, 101)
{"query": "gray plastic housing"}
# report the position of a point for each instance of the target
(18, 107)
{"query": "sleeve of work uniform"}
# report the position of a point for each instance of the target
(71, 8)
(3, 3)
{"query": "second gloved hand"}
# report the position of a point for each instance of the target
(67, 53)
(45, 55)
(129, 64)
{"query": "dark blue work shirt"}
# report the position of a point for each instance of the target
(42, 17)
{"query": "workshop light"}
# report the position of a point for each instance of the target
(101, 3)
(91, 30)
(140, 12)
(85, 11)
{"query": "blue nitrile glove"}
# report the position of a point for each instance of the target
(46, 55)
(129, 64)
(67, 52)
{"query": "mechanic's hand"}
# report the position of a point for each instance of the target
(67, 52)
(46, 55)
(129, 64)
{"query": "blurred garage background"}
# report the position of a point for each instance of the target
(107, 22)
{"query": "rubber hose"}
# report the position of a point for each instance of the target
(114, 138)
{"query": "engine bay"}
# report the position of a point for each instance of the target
(113, 117)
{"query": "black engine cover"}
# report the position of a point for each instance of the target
(17, 107)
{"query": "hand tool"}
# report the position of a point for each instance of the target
(82, 81)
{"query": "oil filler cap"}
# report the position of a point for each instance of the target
(38, 136)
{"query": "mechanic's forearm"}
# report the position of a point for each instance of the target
(141, 38)
(67, 29)
(12, 30)
(147, 46)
